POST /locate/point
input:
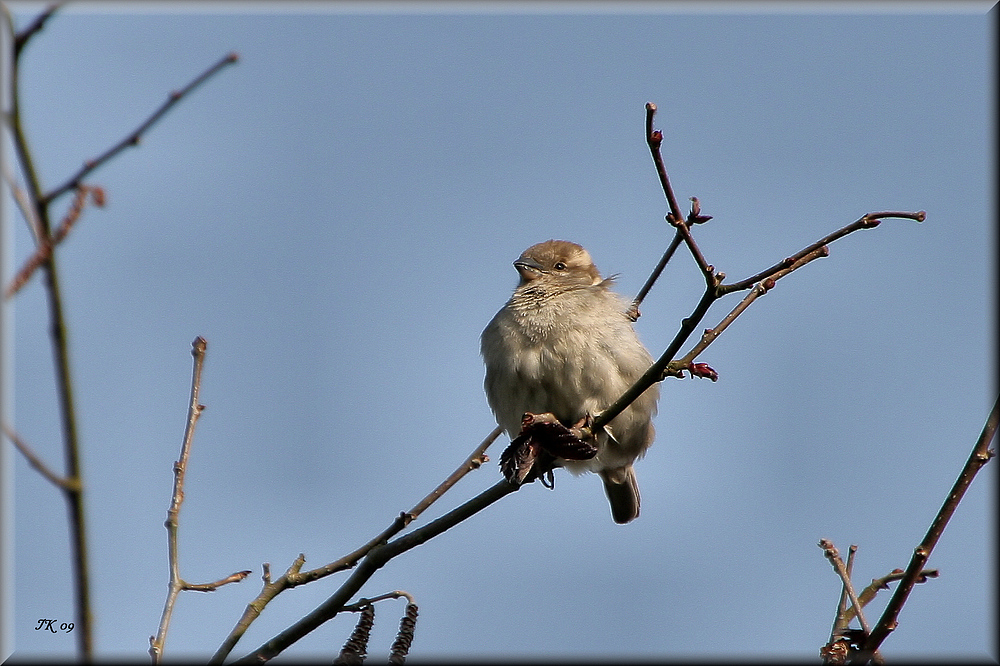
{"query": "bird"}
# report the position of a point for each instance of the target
(564, 344)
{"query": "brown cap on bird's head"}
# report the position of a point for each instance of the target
(561, 259)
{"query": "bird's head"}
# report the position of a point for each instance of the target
(558, 263)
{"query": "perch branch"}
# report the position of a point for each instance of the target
(380, 550)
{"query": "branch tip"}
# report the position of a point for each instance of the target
(199, 346)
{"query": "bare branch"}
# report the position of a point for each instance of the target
(832, 554)
(133, 138)
(633, 311)
(759, 289)
(212, 587)
(869, 221)
(868, 594)
(653, 139)
(360, 604)
(841, 622)
(474, 461)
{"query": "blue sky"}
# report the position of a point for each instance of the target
(337, 215)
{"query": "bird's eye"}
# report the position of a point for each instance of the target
(560, 266)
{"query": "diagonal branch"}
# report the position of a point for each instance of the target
(133, 138)
(293, 577)
(21, 39)
(761, 288)
(372, 562)
(869, 221)
(841, 622)
(981, 454)
(633, 311)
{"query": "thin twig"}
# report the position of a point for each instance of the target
(838, 565)
(653, 139)
(869, 221)
(833, 555)
(38, 463)
(633, 311)
(212, 587)
(133, 138)
(368, 601)
(473, 461)
(178, 584)
(981, 454)
(867, 595)
(841, 622)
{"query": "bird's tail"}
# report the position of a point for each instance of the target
(623, 493)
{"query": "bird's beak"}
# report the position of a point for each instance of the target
(528, 268)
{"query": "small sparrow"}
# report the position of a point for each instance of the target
(563, 344)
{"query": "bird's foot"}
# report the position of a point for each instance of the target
(542, 440)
